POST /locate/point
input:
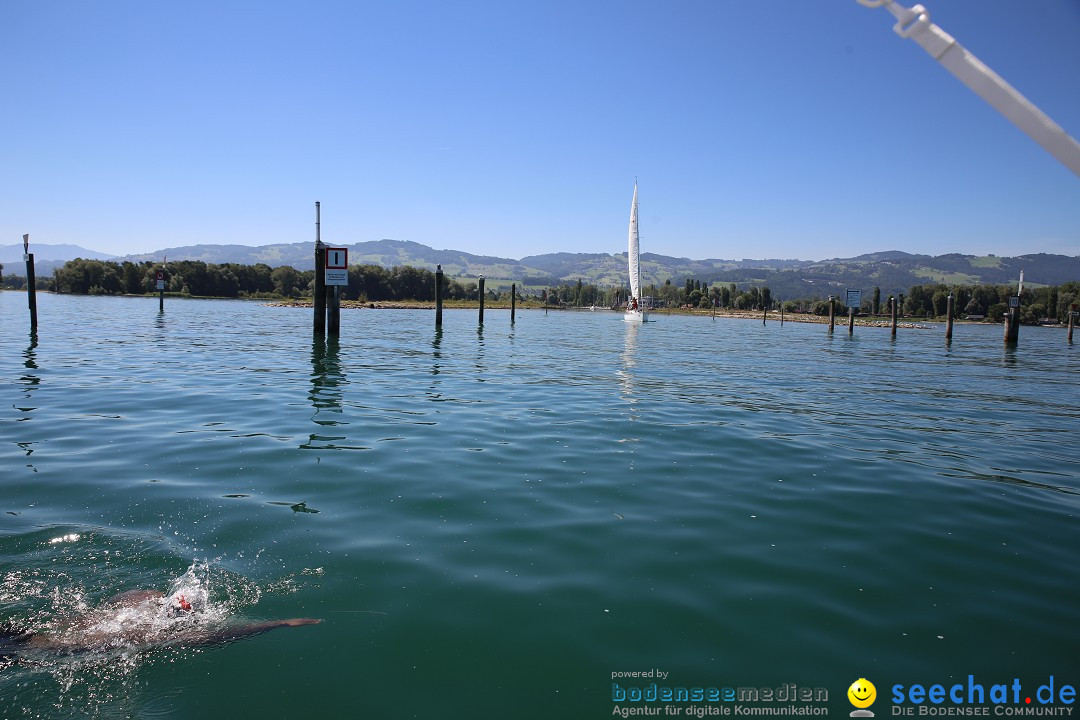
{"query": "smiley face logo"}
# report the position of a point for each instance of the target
(862, 694)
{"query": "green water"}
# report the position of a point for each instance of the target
(490, 522)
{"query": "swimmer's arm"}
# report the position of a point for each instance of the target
(241, 631)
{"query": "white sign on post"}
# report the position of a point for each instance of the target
(337, 266)
(854, 299)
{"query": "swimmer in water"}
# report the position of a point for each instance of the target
(133, 620)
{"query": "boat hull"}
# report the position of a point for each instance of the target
(635, 316)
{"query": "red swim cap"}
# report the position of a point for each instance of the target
(184, 604)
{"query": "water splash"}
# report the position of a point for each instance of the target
(91, 652)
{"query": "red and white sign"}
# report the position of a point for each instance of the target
(337, 258)
(337, 266)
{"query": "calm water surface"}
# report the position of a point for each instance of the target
(490, 522)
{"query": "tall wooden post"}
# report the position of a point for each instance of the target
(319, 298)
(764, 314)
(438, 296)
(1072, 318)
(949, 320)
(481, 292)
(892, 310)
(832, 313)
(1012, 320)
(781, 314)
(31, 290)
(851, 321)
(513, 301)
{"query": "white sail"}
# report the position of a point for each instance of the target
(635, 311)
(632, 255)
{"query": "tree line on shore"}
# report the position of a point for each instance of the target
(196, 278)
(988, 302)
(406, 283)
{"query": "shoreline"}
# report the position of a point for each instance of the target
(840, 320)
(695, 312)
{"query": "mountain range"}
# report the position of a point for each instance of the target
(893, 271)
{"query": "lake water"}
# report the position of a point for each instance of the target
(491, 522)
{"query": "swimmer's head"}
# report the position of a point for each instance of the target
(182, 604)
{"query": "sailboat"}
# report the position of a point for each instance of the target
(635, 312)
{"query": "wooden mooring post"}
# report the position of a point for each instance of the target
(438, 295)
(949, 318)
(480, 292)
(1072, 319)
(892, 310)
(159, 283)
(513, 301)
(851, 321)
(333, 311)
(832, 313)
(319, 297)
(1012, 320)
(31, 282)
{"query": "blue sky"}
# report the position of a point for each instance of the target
(758, 129)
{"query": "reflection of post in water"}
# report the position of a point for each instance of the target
(480, 366)
(436, 351)
(327, 379)
(31, 381)
(30, 354)
(436, 365)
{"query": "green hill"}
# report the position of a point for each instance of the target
(893, 271)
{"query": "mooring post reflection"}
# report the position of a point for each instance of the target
(436, 351)
(30, 354)
(31, 381)
(327, 380)
(481, 363)
(434, 391)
